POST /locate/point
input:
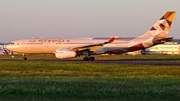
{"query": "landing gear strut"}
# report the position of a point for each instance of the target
(87, 56)
(24, 57)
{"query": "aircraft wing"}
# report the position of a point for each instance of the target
(91, 47)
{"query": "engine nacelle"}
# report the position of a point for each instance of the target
(61, 54)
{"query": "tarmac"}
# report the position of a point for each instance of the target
(138, 62)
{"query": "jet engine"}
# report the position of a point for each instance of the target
(61, 54)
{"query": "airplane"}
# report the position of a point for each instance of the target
(4, 51)
(62, 48)
(69, 48)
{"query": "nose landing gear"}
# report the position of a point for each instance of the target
(24, 57)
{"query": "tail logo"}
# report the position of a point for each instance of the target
(162, 27)
(5, 52)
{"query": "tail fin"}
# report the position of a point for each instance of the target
(5, 52)
(162, 27)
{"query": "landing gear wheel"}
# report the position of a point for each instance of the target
(91, 59)
(85, 59)
(24, 58)
(88, 59)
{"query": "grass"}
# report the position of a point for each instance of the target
(90, 89)
(53, 81)
(28, 69)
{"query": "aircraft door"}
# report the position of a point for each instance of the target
(46, 44)
(21, 44)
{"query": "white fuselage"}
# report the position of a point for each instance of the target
(49, 46)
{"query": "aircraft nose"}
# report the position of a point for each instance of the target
(12, 47)
(7, 47)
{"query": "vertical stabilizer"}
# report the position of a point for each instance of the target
(5, 52)
(162, 27)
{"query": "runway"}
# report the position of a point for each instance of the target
(138, 62)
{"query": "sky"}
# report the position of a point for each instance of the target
(23, 19)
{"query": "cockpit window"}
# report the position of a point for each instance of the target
(11, 43)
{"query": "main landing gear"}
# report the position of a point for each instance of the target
(88, 59)
(24, 57)
(87, 56)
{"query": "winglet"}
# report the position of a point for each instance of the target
(111, 40)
